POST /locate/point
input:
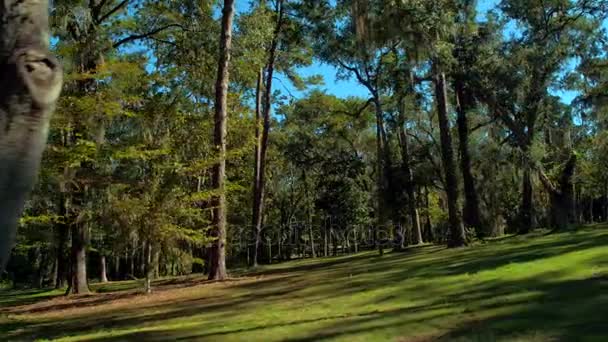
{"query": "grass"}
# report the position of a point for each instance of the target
(531, 288)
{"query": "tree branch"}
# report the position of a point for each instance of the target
(135, 37)
(112, 11)
(358, 113)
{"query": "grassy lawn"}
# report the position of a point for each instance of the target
(534, 288)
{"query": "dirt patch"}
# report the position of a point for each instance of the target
(169, 291)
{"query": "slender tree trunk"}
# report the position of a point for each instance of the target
(325, 242)
(132, 262)
(156, 263)
(142, 259)
(259, 193)
(269, 242)
(380, 173)
(102, 269)
(116, 267)
(309, 215)
(457, 236)
(471, 215)
(79, 283)
(591, 213)
(62, 232)
(257, 209)
(409, 179)
(53, 279)
(356, 242)
(30, 82)
(148, 269)
(606, 202)
(217, 257)
(428, 223)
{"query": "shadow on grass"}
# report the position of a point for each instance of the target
(11, 298)
(564, 309)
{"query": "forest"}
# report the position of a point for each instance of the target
(190, 140)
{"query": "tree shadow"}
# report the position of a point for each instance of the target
(566, 309)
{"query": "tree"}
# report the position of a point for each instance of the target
(262, 143)
(467, 46)
(517, 98)
(217, 252)
(30, 85)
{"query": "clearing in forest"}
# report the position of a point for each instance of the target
(541, 287)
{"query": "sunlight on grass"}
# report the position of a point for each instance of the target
(540, 288)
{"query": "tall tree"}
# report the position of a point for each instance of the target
(217, 252)
(259, 181)
(466, 50)
(457, 233)
(518, 98)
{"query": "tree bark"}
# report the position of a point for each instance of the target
(457, 236)
(606, 202)
(148, 269)
(217, 252)
(410, 187)
(116, 268)
(102, 269)
(79, 283)
(257, 217)
(30, 83)
(258, 202)
(61, 238)
(381, 169)
(325, 242)
(562, 196)
(527, 203)
(471, 214)
(428, 223)
(313, 253)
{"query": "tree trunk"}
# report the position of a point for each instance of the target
(132, 262)
(62, 232)
(457, 236)
(356, 242)
(527, 203)
(562, 197)
(257, 195)
(428, 223)
(148, 269)
(79, 283)
(142, 259)
(380, 173)
(259, 191)
(591, 213)
(409, 185)
(30, 83)
(116, 267)
(102, 269)
(217, 252)
(156, 263)
(606, 202)
(471, 214)
(309, 209)
(53, 278)
(325, 242)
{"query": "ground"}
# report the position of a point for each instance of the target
(542, 287)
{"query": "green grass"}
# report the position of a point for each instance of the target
(534, 288)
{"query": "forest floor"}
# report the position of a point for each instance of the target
(542, 287)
